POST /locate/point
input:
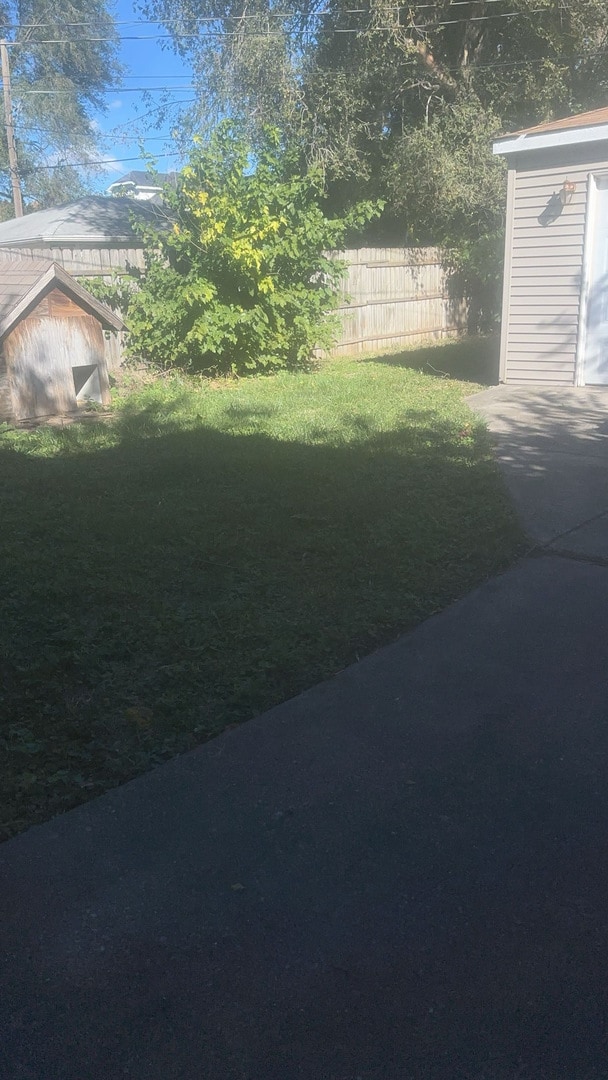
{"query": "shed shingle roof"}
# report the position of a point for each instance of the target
(16, 280)
(24, 281)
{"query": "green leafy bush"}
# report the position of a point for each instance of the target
(239, 280)
(115, 291)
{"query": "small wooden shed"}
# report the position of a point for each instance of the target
(555, 293)
(53, 348)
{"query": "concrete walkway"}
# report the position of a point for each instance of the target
(399, 875)
(553, 446)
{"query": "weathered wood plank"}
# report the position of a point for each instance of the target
(42, 355)
(394, 295)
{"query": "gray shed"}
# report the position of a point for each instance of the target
(555, 293)
(52, 341)
(91, 237)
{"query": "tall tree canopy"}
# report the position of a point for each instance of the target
(398, 101)
(51, 49)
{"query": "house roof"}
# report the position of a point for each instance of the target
(24, 281)
(141, 178)
(96, 219)
(585, 127)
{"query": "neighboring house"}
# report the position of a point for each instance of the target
(91, 237)
(53, 341)
(555, 294)
(138, 184)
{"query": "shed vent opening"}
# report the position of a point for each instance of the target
(86, 383)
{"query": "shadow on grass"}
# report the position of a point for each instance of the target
(158, 590)
(473, 359)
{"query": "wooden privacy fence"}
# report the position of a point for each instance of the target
(81, 260)
(396, 296)
(391, 296)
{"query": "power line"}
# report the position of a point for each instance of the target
(515, 64)
(151, 112)
(143, 139)
(218, 34)
(193, 87)
(190, 88)
(111, 90)
(188, 76)
(103, 161)
(203, 19)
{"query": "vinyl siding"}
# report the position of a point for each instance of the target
(542, 302)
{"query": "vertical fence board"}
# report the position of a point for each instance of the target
(78, 259)
(395, 296)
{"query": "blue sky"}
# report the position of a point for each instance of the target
(132, 116)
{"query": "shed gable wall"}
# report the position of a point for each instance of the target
(42, 351)
(546, 266)
(6, 400)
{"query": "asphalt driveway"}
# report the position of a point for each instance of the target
(399, 875)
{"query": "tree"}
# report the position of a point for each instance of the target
(447, 79)
(238, 279)
(51, 50)
(246, 59)
(402, 101)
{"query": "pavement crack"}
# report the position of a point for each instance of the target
(565, 553)
(547, 548)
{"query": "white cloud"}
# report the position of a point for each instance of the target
(112, 165)
(116, 104)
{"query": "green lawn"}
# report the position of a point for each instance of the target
(215, 548)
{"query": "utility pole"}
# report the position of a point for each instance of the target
(10, 130)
